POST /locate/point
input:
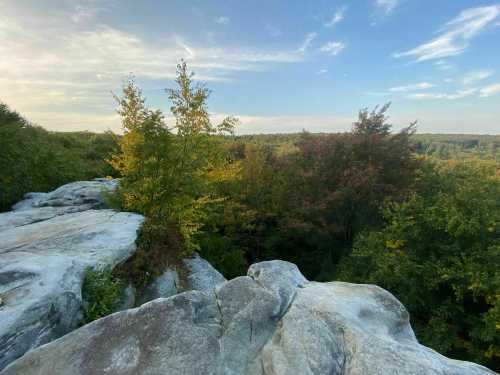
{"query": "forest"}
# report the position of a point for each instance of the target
(417, 214)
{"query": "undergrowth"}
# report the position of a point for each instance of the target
(101, 293)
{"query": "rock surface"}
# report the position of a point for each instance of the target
(196, 274)
(272, 321)
(46, 243)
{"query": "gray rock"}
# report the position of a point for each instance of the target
(47, 243)
(201, 275)
(178, 335)
(128, 298)
(197, 274)
(73, 194)
(74, 197)
(163, 286)
(271, 322)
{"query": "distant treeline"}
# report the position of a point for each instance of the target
(443, 146)
(34, 159)
(450, 146)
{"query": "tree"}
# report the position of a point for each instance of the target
(339, 181)
(372, 123)
(34, 159)
(439, 254)
(306, 202)
(166, 172)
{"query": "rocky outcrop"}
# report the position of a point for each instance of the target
(195, 273)
(47, 241)
(272, 321)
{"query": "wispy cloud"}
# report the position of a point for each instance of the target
(322, 71)
(482, 92)
(337, 17)
(455, 36)
(222, 20)
(54, 62)
(292, 124)
(413, 87)
(490, 90)
(386, 6)
(85, 12)
(333, 47)
(443, 65)
(307, 42)
(474, 77)
(448, 96)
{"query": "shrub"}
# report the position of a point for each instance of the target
(101, 293)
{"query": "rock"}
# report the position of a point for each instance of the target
(47, 242)
(79, 193)
(137, 341)
(74, 197)
(196, 274)
(165, 285)
(128, 298)
(201, 275)
(271, 322)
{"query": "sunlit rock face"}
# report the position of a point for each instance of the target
(272, 321)
(46, 242)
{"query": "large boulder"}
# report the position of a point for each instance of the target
(272, 321)
(47, 241)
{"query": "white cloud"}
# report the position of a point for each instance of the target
(337, 17)
(307, 42)
(222, 20)
(333, 47)
(293, 124)
(443, 65)
(489, 90)
(483, 92)
(51, 62)
(448, 96)
(322, 71)
(455, 36)
(386, 6)
(85, 12)
(474, 77)
(417, 86)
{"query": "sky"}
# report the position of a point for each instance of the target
(279, 66)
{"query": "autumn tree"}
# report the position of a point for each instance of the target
(166, 171)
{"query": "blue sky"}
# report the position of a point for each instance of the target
(280, 66)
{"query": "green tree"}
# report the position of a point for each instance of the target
(439, 254)
(34, 159)
(167, 172)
